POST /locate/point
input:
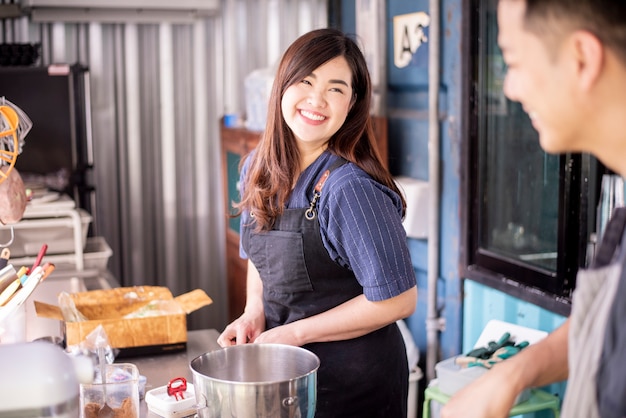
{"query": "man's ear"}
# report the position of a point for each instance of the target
(590, 55)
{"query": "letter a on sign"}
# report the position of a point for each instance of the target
(408, 35)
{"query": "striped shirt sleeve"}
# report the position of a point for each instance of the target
(362, 230)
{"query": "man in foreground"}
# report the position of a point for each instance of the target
(567, 66)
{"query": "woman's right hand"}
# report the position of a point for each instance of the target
(251, 323)
(242, 330)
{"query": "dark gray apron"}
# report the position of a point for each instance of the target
(361, 377)
(591, 303)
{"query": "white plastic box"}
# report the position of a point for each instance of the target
(160, 403)
(416, 194)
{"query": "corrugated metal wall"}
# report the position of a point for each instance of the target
(158, 90)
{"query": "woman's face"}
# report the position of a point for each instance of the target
(316, 107)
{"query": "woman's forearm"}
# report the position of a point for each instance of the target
(354, 318)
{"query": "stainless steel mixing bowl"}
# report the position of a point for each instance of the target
(256, 380)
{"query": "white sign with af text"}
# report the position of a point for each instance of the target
(408, 35)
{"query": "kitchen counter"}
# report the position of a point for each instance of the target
(160, 369)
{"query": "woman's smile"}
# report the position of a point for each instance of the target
(317, 106)
(313, 116)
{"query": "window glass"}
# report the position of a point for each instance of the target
(518, 183)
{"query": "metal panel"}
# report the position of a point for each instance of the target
(207, 5)
(256, 33)
(116, 11)
(114, 15)
(158, 92)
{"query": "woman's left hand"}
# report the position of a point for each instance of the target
(284, 334)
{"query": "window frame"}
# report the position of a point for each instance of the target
(578, 183)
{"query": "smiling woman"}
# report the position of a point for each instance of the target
(321, 227)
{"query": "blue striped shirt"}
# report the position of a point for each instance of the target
(361, 226)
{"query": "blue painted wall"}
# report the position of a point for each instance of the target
(483, 303)
(465, 305)
(408, 149)
(407, 105)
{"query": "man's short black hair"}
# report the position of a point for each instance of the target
(606, 19)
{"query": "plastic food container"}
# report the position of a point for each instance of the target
(452, 378)
(162, 404)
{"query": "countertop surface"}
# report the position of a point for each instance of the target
(160, 369)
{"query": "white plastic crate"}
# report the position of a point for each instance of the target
(58, 232)
(95, 257)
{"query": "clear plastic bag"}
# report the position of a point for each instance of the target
(156, 308)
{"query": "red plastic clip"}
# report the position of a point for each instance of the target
(177, 387)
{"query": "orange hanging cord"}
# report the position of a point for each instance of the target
(9, 141)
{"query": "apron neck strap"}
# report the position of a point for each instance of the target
(311, 211)
(611, 239)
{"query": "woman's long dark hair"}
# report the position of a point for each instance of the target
(275, 163)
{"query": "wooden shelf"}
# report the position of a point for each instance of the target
(236, 143)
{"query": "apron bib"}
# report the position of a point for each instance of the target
(591, 303)
(362, 377)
